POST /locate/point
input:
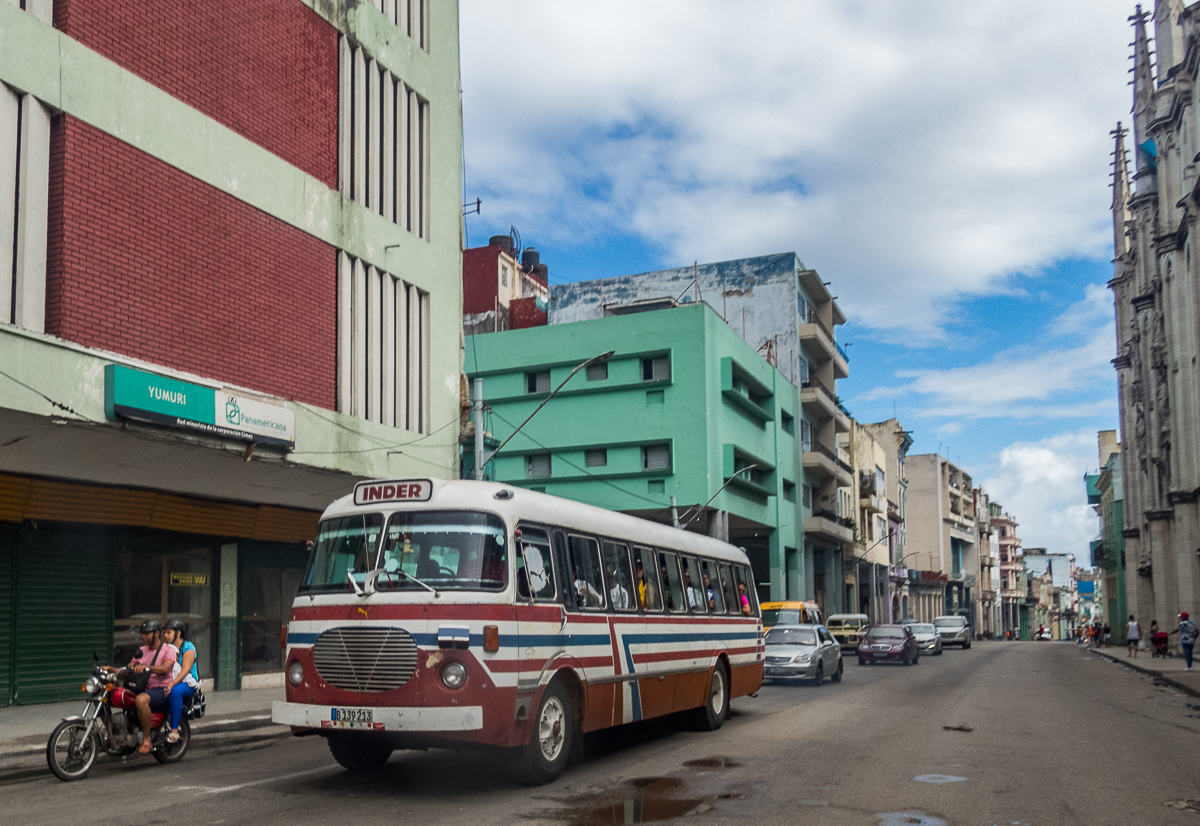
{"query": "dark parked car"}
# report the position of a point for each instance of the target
(889, 643)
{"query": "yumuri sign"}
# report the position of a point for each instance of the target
(141, 396)
(398, 490)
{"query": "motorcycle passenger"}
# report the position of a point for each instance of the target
(186, 679)
(160, 659)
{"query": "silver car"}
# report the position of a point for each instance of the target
(955, 630)
(929, 641)
(802, 652)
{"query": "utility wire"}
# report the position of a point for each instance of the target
(52, 402)
(381, 446)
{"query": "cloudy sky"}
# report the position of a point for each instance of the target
(944, 164)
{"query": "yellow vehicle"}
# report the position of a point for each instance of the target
(791, 612)
(848, 629)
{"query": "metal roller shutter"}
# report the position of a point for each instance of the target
(63, 609)
(8, 540)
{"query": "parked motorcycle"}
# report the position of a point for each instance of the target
(109, 724)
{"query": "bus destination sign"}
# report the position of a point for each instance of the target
(397, 490)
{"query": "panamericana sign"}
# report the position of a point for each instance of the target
(142, 396)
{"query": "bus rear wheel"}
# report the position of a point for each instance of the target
(359, 754)
(711, 715)
(544, 757)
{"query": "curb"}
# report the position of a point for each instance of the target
(1149, 672)
(36, 744)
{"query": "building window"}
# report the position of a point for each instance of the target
(805, 436)
(806, 499)
(789, 490)
(383, 151)
(504, 276)
(597, 372)
(657, 368)
(787, 422)
(537, 465)
(656, 457)
(538, 382)
(383, 343)
(595, 458)
(804, 368)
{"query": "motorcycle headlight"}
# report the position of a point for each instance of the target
(454, 675)
(296, 673)
(90, 685)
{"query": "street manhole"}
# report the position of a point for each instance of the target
(938, 778)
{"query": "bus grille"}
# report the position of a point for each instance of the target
(365, 659)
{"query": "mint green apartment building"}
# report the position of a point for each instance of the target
(678, 410)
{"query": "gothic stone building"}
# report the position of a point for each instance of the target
(1156, 286)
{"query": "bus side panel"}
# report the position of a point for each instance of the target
(691, 690)
(745, 679)
(599, 707)
(657, 696)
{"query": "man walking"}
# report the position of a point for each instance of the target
(1133, 635)
(1187, 632)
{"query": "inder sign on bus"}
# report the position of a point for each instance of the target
(399, 490)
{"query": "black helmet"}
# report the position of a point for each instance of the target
(175, 625)
(149, 627)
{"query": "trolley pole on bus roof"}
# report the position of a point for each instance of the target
(482, 457)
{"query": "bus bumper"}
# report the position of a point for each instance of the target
(385, 718)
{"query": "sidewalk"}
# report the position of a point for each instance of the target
(23, 727)
(1167, 669)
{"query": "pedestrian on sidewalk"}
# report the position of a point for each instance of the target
(1153, 636)
(1187, 632)
(1107, 632)
(1133, 635)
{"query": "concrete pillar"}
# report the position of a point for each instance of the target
(33, 202)
(778, 567)
(229, 649)
(9, 105)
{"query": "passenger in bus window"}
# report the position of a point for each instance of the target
(693, 593)
(715, 603)
(745, 600)
(728, 591)
(672, 588)
(585, 595)
(646, 579)
(618, 595)
(616, 565)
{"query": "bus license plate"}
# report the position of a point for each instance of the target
(352, 716)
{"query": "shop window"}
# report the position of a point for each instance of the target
(267, 594)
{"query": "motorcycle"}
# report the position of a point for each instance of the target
(109, 724)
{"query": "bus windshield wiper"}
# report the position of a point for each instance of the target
(368, 586)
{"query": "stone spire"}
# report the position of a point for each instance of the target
(1143, 104)
(1168, 36)
(1121, 193)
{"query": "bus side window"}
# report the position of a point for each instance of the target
(583, 569)
(535, 566)
(711, 587)
(560, 565)
(668, 567)
(619, 579)
(693, 585)
(733, 604)
(745, 580)
(645, 575)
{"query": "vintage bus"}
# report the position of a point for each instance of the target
(461, 613)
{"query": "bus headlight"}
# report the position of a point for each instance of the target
(454, 675)
(296, 673)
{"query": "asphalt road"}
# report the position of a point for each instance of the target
(1040, 734)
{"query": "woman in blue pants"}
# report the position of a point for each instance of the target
(187, 678)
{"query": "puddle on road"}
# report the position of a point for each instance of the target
(642, 800)
(1184, 805)
(712, 763)
(909, 819)
(938, 778)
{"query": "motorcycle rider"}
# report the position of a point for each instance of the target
(186, 680)
(160, 659)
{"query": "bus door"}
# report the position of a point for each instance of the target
(539, 613)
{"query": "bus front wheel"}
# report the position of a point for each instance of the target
(358, 753)
(544, 757)
(711, 715)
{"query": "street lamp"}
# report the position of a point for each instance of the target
(482, 458)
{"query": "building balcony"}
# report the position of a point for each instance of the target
(1012, 593)
(987, 595)
(815, 395)
(874, 503)
(823, 524)
(816, 333)
(825, 463)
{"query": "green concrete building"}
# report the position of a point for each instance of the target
(679, 409)
(1105, 491)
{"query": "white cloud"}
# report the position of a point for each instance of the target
(914, 153)
(1041, 484)
(1023, 383)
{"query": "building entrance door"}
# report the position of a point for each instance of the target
(177, 585)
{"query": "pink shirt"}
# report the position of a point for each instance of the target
(166, 653)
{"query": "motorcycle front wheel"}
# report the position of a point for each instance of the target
(174, 752)
(71, 751)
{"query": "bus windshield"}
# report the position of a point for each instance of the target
(446, 550)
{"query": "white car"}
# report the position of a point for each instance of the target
(929, 641)
(954, 630)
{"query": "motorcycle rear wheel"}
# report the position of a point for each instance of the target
(174, 752)
(71, 752)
